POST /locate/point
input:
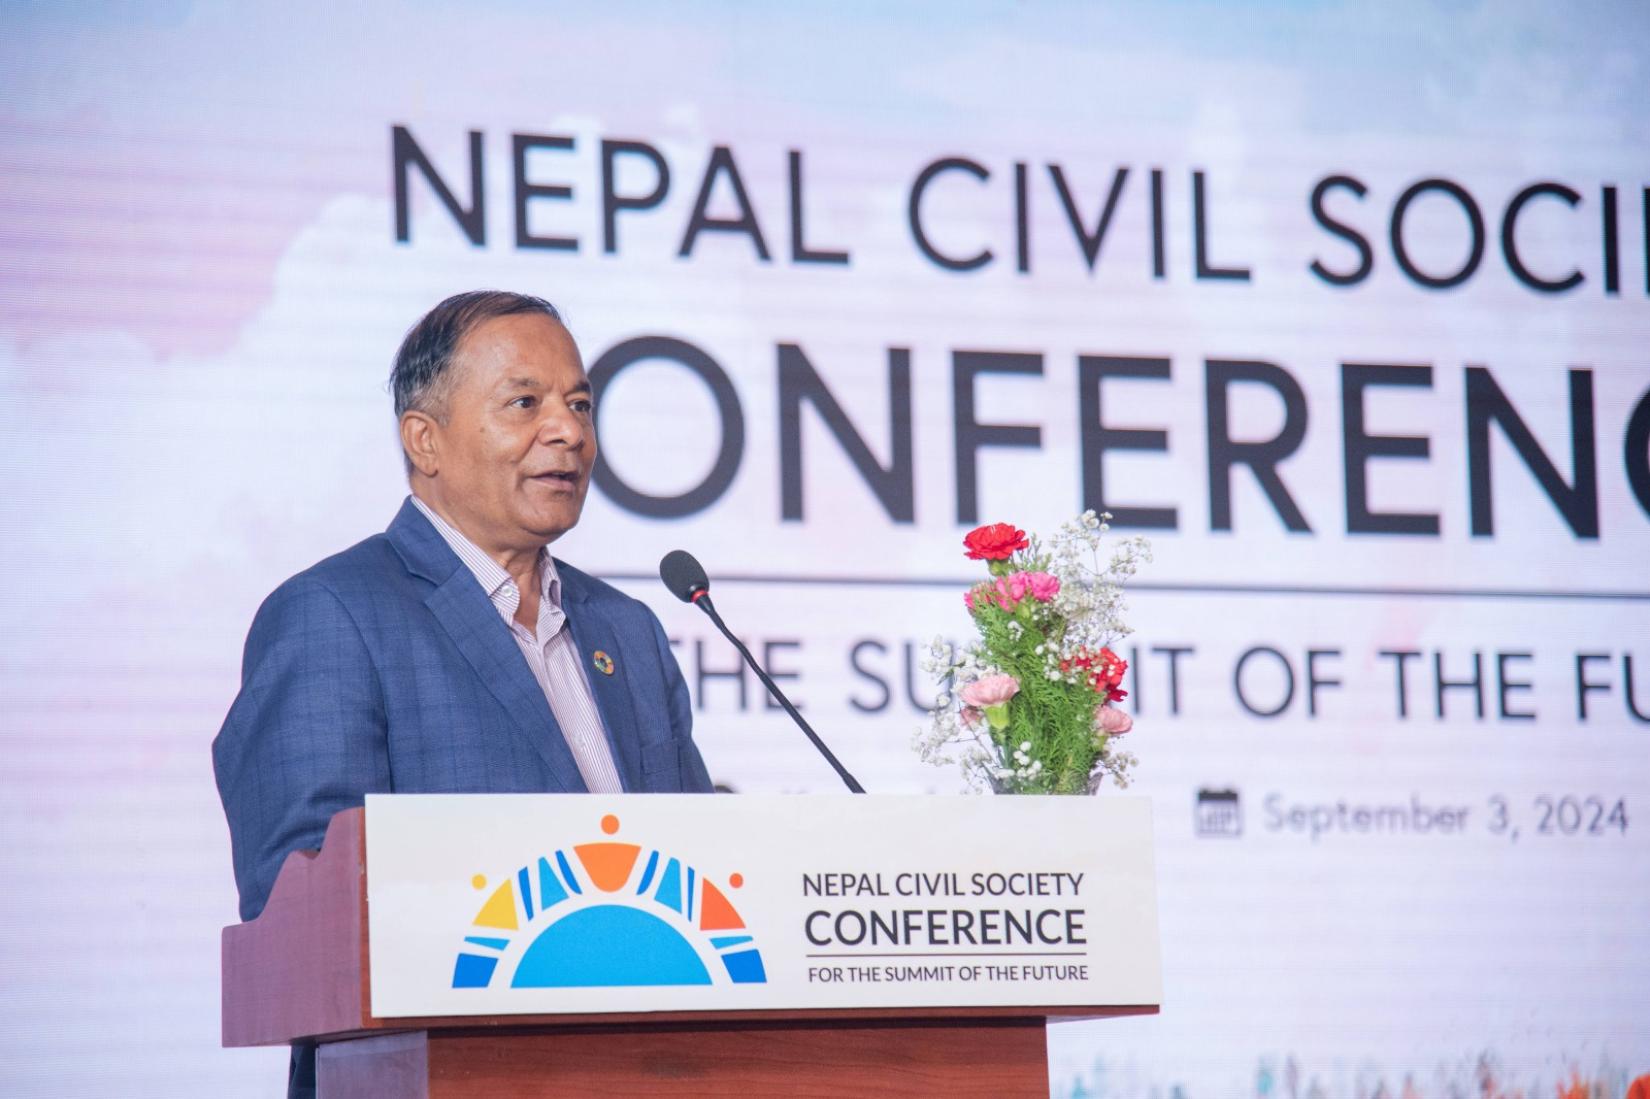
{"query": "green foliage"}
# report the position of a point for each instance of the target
(1054, 715)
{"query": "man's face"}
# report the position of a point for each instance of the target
(514, 456)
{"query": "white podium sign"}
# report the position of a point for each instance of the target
(558, 904)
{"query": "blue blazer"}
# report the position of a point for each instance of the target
(386, 669)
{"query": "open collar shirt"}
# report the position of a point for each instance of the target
(549, 649)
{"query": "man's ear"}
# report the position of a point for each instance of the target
(419, 439)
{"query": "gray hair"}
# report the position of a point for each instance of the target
(422, 377)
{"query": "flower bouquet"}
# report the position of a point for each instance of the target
(1028, 708)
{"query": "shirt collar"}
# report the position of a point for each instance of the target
(494, 579)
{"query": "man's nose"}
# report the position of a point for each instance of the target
(560, 424)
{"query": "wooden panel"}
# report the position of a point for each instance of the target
(299, 969)
(1000, 1059)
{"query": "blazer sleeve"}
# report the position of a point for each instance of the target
(695, 777)
(305, 738)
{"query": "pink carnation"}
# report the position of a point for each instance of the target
(1044, 586)
(993, 690)
(1114, 721)
(1009, 591)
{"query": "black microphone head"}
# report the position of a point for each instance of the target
(683, 575)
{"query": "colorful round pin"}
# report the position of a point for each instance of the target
(603, 662)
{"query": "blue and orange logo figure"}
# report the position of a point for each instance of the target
(595, 920)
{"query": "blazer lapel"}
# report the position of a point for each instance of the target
(472, 622)
(470, 619)
(592, 633)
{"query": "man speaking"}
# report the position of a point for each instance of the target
(452, 653)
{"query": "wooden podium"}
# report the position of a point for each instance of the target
(301, 971)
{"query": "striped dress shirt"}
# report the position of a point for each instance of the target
(549, 650)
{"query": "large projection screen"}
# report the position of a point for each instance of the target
(1346, 307)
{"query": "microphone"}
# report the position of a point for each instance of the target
(686, 579)
(684, 576)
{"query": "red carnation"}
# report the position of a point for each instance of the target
(996, 542)
(1107, 676)
(1103, 670)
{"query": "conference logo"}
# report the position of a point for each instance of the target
(607, 914)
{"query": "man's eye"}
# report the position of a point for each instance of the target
(581, 405)
(524, 402)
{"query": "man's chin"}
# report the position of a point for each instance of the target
(550, 526)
